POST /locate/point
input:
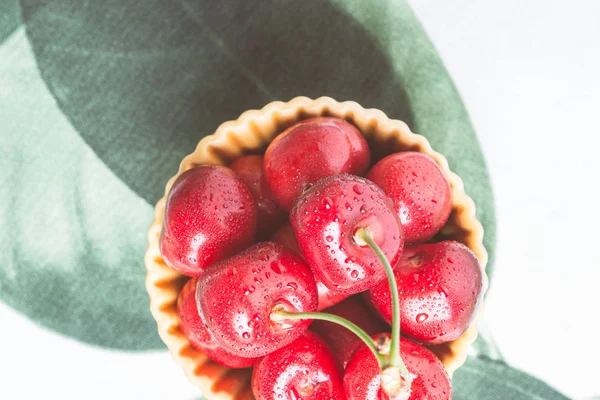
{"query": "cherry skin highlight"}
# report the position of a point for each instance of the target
(326, 218)
(310, 150)
(304, 369)
(285, 237)
(342, 341)
(270, 216)
(362, 376)
(420, 192)
(210, 214)
(440, 288)
(192, 326)
(237, 296)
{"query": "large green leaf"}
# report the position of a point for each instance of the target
(120, 91)
(72, 234)
(10, 17)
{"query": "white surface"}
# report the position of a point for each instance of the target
(529, 73)
(61, 368)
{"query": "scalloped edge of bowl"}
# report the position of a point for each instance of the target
(252, 131)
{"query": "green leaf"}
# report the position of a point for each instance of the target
(485, 379)
(107, 97)
(10, 17)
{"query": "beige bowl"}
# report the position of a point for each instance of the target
(252, 132)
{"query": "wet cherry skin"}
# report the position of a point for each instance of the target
(440, 287)
(236, 297)
(341, 341)
(270, 216)
(192, 326)
(419, 189)
(362, 376)
(325, 219)
(210, 214)
(304, 369)
(285, 237)
(310, 150)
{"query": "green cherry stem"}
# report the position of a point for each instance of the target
(364, 235)
(390, 362)
(280, 314)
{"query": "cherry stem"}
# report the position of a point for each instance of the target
(280, 314)
(365, 235)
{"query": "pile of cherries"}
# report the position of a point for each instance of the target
(251, 303)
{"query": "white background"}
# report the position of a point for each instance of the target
(528, 72)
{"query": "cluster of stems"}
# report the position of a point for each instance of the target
(395, 377)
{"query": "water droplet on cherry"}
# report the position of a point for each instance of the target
(327, 202)
(358, 189)
(422, 317)
(276, 267)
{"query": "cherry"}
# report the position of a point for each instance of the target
(420, 191)
(250, 170)
(440, 288)
(236, 299)
(363, 377)
(304, 369)
(342, 341)
(209, 215)
(326, 218)
(310, 150)
(285, 237)
(192, 326)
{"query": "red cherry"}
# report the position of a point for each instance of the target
(250, 170)
(325, 219)
(362, 377)
(192, 326)
(342, 341)
(420, 191)
(311, 150)
(304, 369)
(440, 288)
(236, 297)
(285, 237)
(210, 214)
